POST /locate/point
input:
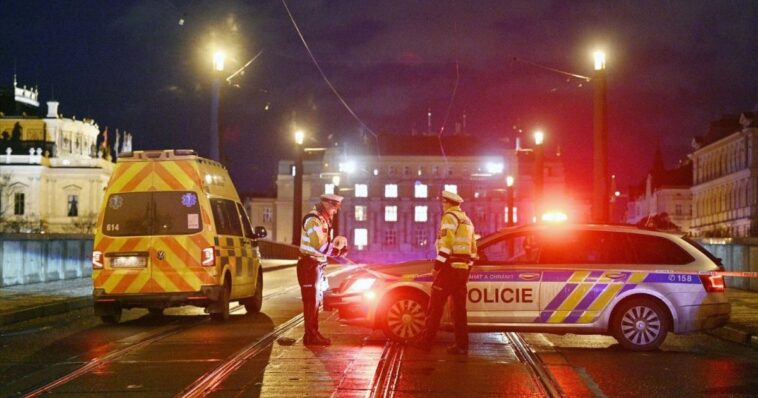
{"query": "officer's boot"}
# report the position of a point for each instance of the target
(322, 337)
(316, 340)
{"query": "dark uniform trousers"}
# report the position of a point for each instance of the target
(309, 277)
(449, 282)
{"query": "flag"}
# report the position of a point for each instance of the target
(105, 149)
(115, 144)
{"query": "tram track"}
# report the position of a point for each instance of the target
(540, 374)
(387, 371)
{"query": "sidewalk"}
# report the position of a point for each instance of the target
(24, 302)
(20, 303)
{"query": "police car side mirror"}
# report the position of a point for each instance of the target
(260, 232)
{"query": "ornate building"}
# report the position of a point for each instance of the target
(391, 187)
(51, 174)
(725, 190)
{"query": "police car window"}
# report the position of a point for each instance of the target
(658, 250)
(516, 248)
(176, 213)
(246, 227)
(584, 247)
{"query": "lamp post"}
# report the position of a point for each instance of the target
(216, 131)
(336, 221)
(509, 199)
(539, 165)
(297, 203)
(600, 195)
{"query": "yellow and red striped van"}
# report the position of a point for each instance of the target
(171, 231)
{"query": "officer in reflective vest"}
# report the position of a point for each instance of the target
(315, 245)
(456, 251)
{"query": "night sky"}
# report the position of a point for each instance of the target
(673, 67)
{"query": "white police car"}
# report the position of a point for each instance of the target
(631, 283)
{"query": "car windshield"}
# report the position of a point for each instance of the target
(152, 213)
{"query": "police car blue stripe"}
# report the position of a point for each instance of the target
(556, 276)
(672, 278)
(588, 299)
(627, 288)
(593, 276)
(561, 296)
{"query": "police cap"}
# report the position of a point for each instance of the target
(452, 197)
(332, 199)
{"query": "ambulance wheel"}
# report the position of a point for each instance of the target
(404, 315)
(253, 304)
(222, 307)
(640, 324)
(112, 318)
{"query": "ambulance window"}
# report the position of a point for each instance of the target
(658, 250)
(128, 214)
(225, 217)
(176, 213)
(246, 227)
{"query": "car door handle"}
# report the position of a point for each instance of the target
(529, 276)
(615, 275)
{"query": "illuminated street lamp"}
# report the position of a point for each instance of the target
(539, 165)
(600, 196)
(509, 199)
(297, 202)
(216, 149)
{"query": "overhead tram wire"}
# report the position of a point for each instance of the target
(323, 76)
(452, 97)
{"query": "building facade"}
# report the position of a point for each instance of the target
(392, 210)
(725, 173)
(51, 175)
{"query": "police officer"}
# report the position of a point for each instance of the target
(456, 251)
(315, 245)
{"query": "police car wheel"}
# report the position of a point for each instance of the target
(404, 315)
(640, 324)
(253, 304)
(223, 312)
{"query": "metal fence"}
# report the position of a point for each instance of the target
(33, 258)
(739, 255)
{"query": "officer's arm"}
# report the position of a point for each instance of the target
(447, 236)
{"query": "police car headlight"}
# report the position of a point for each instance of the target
(360, 285)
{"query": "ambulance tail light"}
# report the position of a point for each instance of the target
(97, 259)
(713, 283)
(208, 257)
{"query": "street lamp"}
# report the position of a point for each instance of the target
(297, 203)
(539, 165)
(216, 131)
(600, 194)
(509, 199)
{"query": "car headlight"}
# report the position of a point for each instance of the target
(360, 285)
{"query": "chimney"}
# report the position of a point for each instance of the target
(52, 109)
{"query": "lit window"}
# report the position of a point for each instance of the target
(360, 239)
(376, 172)
(390, 213)
(515, 215)
(420, 214)
(361, 190)
(268, 215)
(451, 188)
(390, 191)
(360, 213)
(18, 205)
(328, 188)
(420, 190)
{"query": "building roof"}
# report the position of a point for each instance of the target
(718, 129)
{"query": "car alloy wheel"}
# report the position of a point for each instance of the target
(641, 325)
(405, 317)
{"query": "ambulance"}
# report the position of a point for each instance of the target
(171, 232)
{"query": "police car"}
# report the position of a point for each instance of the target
(631, 283)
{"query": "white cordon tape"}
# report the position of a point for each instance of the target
(738, 274)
